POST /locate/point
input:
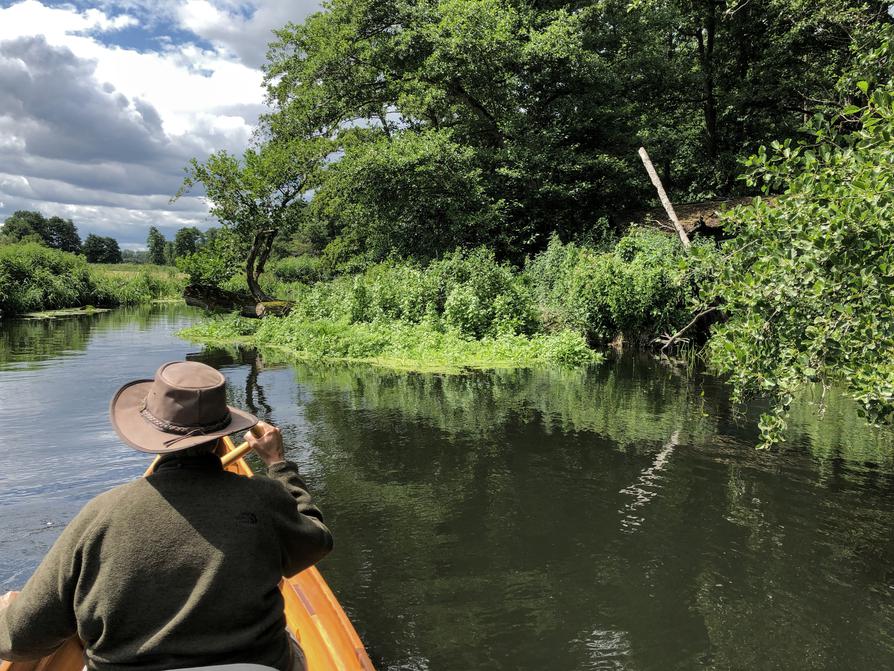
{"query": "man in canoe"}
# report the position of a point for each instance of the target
(181, 568)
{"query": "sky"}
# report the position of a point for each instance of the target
(103, 103)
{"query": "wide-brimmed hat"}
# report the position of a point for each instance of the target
(185, 405)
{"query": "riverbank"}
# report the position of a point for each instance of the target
(34, 278)
(469, 310)
(417, 347)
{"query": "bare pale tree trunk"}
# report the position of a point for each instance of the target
(668, 207)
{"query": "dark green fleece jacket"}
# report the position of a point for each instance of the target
(175, 570)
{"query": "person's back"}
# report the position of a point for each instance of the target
(179, 569)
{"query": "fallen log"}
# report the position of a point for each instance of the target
(273, 308)
(215, 299)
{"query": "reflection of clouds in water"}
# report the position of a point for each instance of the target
(646, 486)
(607, 649)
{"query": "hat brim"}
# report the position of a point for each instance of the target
(134, 430)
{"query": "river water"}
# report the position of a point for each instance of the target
(610, 518)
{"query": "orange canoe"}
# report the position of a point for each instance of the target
(312, 613)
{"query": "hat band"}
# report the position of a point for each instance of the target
(184, 430)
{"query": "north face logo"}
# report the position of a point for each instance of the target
(247, 518)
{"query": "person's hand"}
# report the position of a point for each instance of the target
(7, 598)
(266, 440)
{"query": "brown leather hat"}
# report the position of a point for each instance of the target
(185, 405)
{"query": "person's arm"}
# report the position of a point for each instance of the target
(42, 617)
(304, 538)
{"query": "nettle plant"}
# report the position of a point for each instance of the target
(808, 285)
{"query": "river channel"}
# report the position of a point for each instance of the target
(616, 517)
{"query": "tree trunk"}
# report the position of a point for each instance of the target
(705, 37)
(254, 265)
(662, 196)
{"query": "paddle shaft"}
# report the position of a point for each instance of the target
(225, 460)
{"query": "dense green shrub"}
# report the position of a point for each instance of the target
(467, 291)
(218, 260)
(34, 277)
(640, 289)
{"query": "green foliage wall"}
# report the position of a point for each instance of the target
(34, 277)
(641, 288)
(807, 284)
(514, 121)
(417, 195)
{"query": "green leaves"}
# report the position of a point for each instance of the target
(419, 195)
(804, 288)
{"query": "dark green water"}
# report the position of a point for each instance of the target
(612, 518)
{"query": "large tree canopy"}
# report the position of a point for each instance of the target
(547, 101)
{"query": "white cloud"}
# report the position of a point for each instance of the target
(229, 27)
(101, 132)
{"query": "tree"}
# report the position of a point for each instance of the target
(258, 196)
(187, 241)
(24, 223)
(99, 249)
(170, 256)
(54, 232)
(156, 244)
(62, 234)
(420, 195)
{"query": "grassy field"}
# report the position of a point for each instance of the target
(134, 269)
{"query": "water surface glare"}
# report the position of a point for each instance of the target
(611, 518)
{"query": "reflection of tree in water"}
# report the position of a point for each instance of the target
(627, 403)
(480, 519)
(251, 396)
(472, 506)
(479, 522)
(36, 340)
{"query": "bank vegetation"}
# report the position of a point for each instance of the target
(34, 277)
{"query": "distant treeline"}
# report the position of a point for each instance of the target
(187, 240)
(62, 234)
(59, 233)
